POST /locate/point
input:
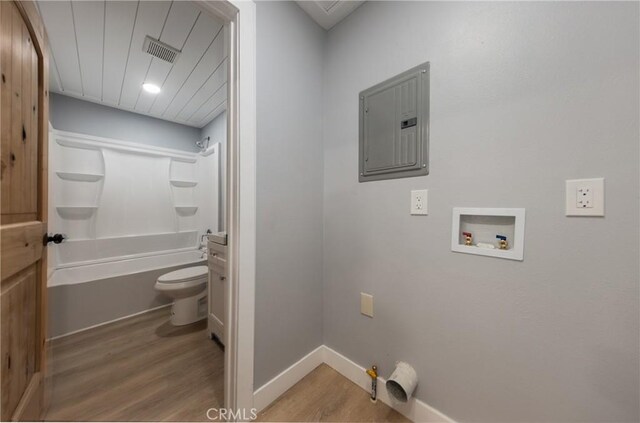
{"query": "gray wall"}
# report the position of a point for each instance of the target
(217, 130)
(289, 187)
(70, 114)
(523, 96)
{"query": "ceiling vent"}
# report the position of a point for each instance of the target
(328, 5)
(160, 50)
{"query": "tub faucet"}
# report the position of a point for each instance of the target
(203, 236)
(203, 245)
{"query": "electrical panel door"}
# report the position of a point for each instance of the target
(394, 127)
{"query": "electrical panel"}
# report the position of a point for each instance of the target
(394, 127)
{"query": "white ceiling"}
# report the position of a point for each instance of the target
(327, 13)
(97, 56)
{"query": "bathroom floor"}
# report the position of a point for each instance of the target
(326, 395)
(138, 369)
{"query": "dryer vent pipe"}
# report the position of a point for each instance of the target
(402, 382)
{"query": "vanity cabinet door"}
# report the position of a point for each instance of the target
(217, 306)
(217, 260)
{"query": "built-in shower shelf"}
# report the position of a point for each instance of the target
(183, 183)
(83, 177)
(186, 210)
(76, 212)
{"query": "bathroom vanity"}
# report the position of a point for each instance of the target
(217, 262)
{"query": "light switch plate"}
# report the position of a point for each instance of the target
(366, 304)
(585, 197)
(419, 202)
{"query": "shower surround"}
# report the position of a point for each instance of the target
(130, 213)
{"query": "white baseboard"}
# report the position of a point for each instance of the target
(415, 410)
(277, 386)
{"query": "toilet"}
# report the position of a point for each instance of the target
(187, 287)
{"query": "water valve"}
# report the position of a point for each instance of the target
(373, 373)
(503, 244)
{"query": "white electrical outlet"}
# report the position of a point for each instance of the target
(585, 197)
(419, 202)
(366, 304)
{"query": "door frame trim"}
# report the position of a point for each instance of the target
(240, 24)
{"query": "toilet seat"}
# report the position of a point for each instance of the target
(184, 275)
(183, 279)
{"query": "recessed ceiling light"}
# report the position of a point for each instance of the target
(151, 88)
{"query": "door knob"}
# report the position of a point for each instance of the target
(55, 238)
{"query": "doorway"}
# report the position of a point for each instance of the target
(239, 244)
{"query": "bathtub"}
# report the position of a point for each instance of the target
(84, 295)
(131, 212)
(78, 273)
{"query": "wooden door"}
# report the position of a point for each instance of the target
(23, 210)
